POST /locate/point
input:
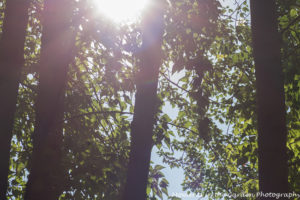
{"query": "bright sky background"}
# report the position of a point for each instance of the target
(121, 11)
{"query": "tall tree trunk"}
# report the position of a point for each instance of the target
(272, 133)
(145, 105)
(46, 174)
(11, 62)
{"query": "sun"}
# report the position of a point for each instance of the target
(121, 11)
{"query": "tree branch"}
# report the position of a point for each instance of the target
(98, 112)
(290, 24)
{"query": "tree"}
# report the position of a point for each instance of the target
(272, 133)
(233, 150)
(46, 174)
(11, 62)
(146, 104)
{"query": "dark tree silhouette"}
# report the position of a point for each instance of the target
(46, 174)
(11, 62)
(145, 105)
(272, 133)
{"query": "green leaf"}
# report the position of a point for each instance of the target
(293, 12)
(159, 167)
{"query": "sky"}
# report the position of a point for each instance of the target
(174, 176)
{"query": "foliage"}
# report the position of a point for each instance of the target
(207, 48)
(225, 161)
(289, 30)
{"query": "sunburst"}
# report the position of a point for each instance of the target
(121, 11)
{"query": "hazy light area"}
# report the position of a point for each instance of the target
(121, 11)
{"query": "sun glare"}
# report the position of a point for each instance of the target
(127, 11)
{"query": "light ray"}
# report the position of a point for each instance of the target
(126, 11)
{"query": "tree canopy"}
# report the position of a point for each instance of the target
(205, 73)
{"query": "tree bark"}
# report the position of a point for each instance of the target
(46, 175)
(145, 105)
(11, 62)
(272, 132)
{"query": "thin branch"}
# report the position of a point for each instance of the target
(188, 91)
(168, 79)
(182, 127)
(290, 24)
(98, 112)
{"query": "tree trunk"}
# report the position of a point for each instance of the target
(272, 133)
(145, 106)
(46, 174)
(11, 62)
